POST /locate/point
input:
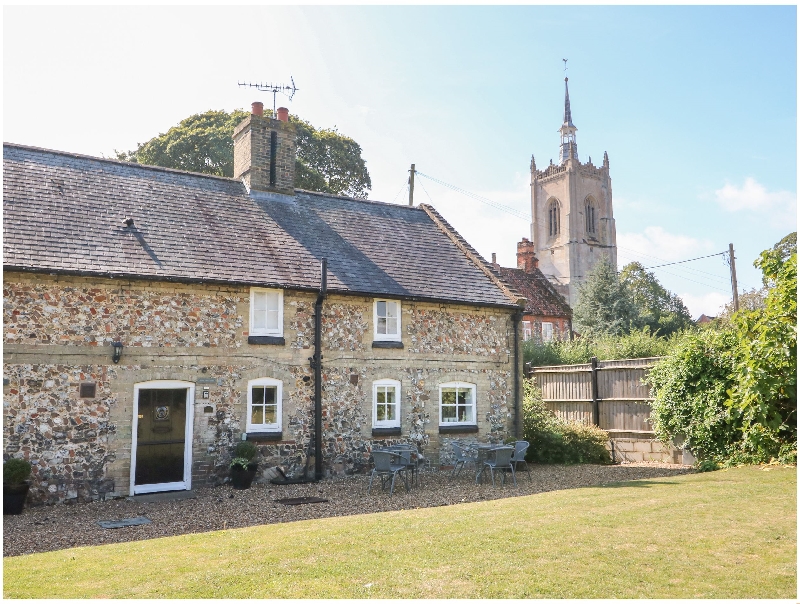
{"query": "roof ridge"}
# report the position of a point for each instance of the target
(471, 254)
(548, 285)
(117, 161)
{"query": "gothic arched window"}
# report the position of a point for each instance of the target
(591, 225)
(553, 218)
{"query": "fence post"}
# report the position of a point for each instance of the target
(595, 396)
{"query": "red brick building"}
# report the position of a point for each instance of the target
(547, 316)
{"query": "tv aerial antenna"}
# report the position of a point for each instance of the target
(274, 89)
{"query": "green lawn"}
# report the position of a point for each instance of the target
(726, 534)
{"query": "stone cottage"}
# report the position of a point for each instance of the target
(547, 316)
(154, 318)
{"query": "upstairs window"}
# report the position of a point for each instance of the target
(266, 312)
(387, 320)
(386, 404)
(264, 405)
(457, 404)
(527, 332)
(553, 219)
(547, 332)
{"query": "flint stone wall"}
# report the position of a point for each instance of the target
(56, 338)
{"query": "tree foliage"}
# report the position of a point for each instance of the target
(731, 391)
(663, 312)
(327, 161)
(604, 305)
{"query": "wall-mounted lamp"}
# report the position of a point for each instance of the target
(117, 354)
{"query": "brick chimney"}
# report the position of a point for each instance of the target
(526, 259)
(264, 151)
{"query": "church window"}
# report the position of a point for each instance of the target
(553, 219)
(591, 226)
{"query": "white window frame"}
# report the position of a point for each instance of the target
(387, 337)
(527, 330)
(460, 386)
(265, 331)
(549, 336)
(395, 423)
(269, 382)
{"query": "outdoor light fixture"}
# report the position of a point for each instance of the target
(117, 355)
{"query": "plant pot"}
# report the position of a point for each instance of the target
(242, 478)
(14, 498)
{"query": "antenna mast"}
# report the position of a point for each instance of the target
(285, 89)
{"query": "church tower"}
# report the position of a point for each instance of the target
(573, 219)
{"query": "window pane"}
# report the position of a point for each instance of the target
(381, 325)
(272, 319)
(257, 414)
(389, 394)
(391, 412)
(380, 412)
(381, 395)
(448, 396)
(391, 326)
(462, 396)
(381, 309)
(391, 309)
(258, 395)
(271, 414)
(273, 298)
(260, 300)
(448, 413)
(269, 394)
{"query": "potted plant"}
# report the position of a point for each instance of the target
(243, 468)
(15, 485)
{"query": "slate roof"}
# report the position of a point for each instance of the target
(542, 297)
(64, 213)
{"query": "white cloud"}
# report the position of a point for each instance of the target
(753, 196)
(656, 244)
(709, 304)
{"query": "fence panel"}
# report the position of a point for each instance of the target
(623, 400)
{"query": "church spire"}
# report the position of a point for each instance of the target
(569, 146)
(567, 110)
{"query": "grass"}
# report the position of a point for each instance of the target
(725, 534)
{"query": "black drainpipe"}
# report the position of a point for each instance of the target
(316, 363)
(516, 319)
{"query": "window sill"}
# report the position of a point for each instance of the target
(268, 436)
(386, 431)
(387, 344)
(274, 340)
(461, 429)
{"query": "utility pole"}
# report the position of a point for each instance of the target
(411, 185)
(733, 278)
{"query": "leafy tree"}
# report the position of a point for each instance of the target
(786, 246)
(327, 161)
(731, 390)
(604, 304)
(764, 394)
(663, 312)
(635, 345)
(754, 299)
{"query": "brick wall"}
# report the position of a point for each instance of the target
(58, 333)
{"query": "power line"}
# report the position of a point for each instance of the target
(682, 261)
(494, 204)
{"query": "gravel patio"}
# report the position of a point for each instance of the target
(48, 528)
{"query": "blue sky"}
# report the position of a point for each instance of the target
(696, 106)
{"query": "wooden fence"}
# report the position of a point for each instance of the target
(609, 394)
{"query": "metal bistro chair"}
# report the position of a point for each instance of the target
(520, 447)
(501, 461)
(410, 457)
(386, 464)
(462, 459)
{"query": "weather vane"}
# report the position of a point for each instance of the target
(274, 89)
(565, 63)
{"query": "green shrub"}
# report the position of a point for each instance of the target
(690, 386)
(555, 441)
(635, 345)
(246, 450)
(16, 471)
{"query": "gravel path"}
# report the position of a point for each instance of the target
(48, 528)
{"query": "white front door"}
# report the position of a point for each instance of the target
(161, 446)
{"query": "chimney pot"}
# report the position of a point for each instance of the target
(283, 114)
(494, 258)
(258, 108)
(526, 258)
